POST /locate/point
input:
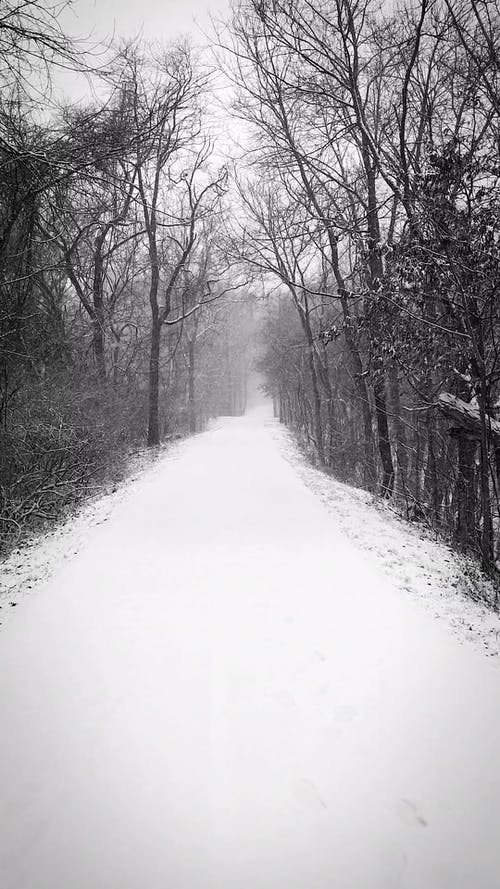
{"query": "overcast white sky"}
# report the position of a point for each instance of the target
(162, 20)
(156, 19)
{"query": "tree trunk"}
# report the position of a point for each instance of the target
(98, 307)
(401, 470)
(350, 338)
(191, 386)
(487, 555)
(316, 405)
(369, 471)
(154, 384)
(98, 346)
(418, 463)
(154, 355)
(324, 375)
(431, 476)
(317, 424)
(116, 359)
(375, 275)
(383, 440)
(465, 528)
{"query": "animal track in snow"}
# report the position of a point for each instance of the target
(306, 792)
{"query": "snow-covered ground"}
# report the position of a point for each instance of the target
(413, 557)
(224, 688)
(31, 565)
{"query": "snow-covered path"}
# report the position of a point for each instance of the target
(220, 693)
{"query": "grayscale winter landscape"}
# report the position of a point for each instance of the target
(250, 444)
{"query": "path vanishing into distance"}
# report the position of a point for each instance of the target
(219, 692)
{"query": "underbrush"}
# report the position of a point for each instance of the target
(62, 443)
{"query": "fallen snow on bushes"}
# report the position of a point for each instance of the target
(29, 566)
(420, 564)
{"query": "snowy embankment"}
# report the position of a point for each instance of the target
(29, 566)
(413, 557)
(418, 563)
(219, 691)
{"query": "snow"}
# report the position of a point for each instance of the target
(221, 691)
(33, 562)
(450, 586)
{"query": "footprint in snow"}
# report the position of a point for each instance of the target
(410, 814)
(344, 713)
(284, 699)
(306, 792)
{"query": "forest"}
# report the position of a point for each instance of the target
(330, 213)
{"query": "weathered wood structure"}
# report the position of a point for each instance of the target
(471, 431)
(466, 419)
